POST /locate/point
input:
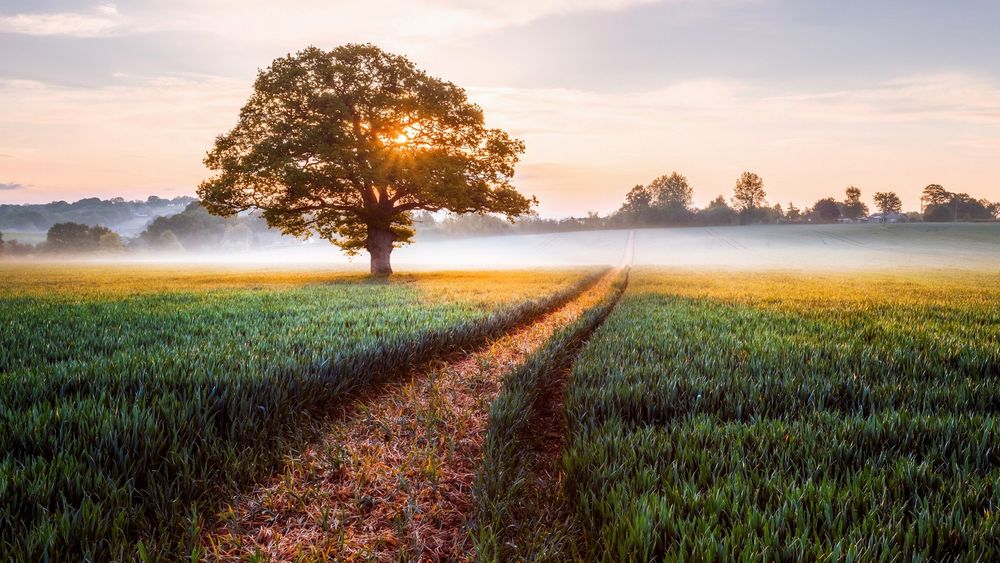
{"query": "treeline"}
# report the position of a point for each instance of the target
(117, 213)
(667, 201)
(193, 229)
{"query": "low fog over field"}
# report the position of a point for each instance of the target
(855, 246)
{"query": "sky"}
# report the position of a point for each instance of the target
(124, 99)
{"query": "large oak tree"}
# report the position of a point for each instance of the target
(347, 143)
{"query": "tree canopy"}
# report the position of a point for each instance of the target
(853, 207)
(888, 202)
(347, 143)
(827, 210)
(671, 191)
(76, 237)
(749, 192)
(935, 194)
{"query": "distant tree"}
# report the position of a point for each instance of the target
(826, 210)
(853, 208)
(637, 209)
(1, 244)
(110, 242)
(475, 224)
(76, 237)
(718, 212)
(672, 197)
(423, 219)
(346, 143)
(935, 194)
(749, 192)
(792, 213)
(960, 207)
(195, 228)
(15, 248)
(888, 202)
(992, 208)
(168, 241)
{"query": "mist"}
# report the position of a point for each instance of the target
(764, 247)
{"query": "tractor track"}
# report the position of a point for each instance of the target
(391, 476)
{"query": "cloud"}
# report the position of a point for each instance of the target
(148, 134)
(892, 135)
(304, 21)
(584, 148)
(101, 21)
(6, 186)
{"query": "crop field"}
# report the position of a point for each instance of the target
(132, 398)
(770, 416)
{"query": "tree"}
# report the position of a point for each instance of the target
(935, 194)
(792, 213)
(110, 242)
(637, 209)
(826, 210)
(347, 143)
(75, 237)
(853, 207)
(888, 202)
(195, 228)
(749, 192)
(718, 212)
(671, 190)
(960, 207)
(167, 241)
(672, 197)
(1, 244)
(992, 208)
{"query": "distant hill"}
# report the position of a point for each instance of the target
(128, 218)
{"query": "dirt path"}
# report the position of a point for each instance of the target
(629, 255)
(392, 479)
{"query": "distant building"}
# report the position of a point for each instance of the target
(888, 218)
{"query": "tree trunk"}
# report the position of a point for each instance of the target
(379, 245)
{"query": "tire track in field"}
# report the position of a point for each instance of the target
(629, 255)
(392, 475)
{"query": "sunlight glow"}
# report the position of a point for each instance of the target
(407, 135)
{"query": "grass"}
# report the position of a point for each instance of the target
(788, 417)
(130, 400)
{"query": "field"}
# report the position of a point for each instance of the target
(130, 398)
(774, 416)
(827, 410)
